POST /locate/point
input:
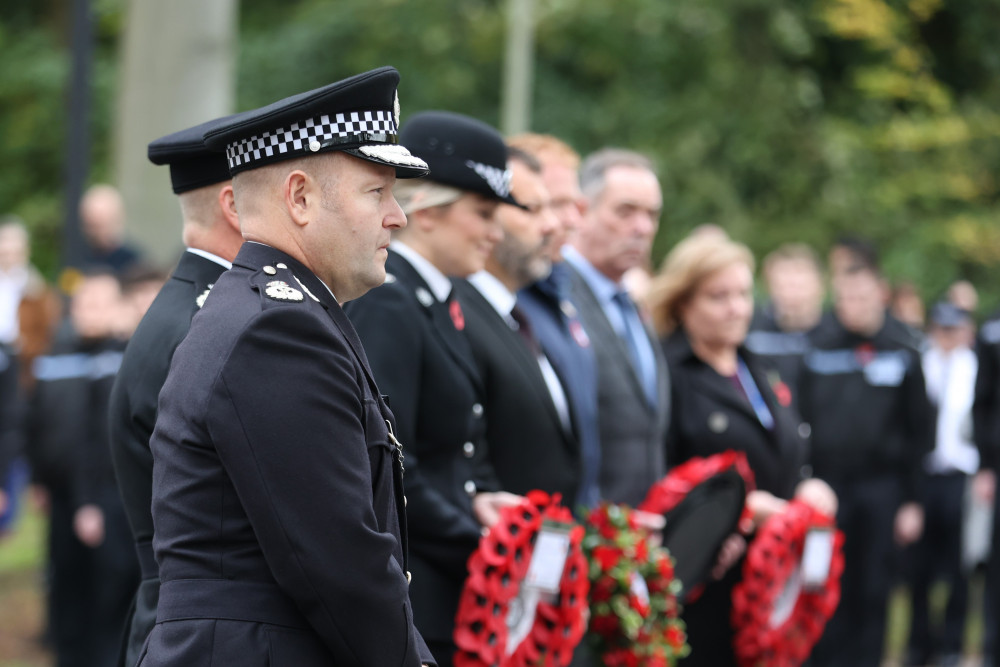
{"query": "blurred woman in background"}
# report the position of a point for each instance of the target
(724, 397)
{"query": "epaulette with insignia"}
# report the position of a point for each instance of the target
(200, 300)
(280, 290)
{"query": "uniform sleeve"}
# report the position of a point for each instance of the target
(291, 426)
(986, 408)
(396, 359)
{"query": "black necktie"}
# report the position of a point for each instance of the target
(524, 330)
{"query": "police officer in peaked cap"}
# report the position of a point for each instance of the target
(280, 532)
(211, 233)
(430, 374)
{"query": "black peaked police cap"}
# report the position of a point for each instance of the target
(461, 152)
(359, 116)
(192, 166)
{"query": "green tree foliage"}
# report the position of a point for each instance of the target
(34, 77)
(777, 119)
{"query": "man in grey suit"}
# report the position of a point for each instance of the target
(623, 204)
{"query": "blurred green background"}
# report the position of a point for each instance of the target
(777, 119)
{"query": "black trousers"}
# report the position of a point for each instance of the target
(90, 589)
(938, 557)
(71, 589)
(855, 636)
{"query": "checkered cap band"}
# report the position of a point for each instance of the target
(363, 125)
(497, 179)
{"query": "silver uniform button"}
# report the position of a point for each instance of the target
(718, 422)
(409, 576)
(281, 266)
(404, 501)
(469, 449)
(470, 488)
(477, 410)
(805, 430)
(269, 270)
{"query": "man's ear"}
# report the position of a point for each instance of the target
(301, 196)
(227, 204)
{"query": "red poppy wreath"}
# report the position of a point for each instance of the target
(777, 614)
(634, 613)
(502, 621)
(703, 501)
(666, 494)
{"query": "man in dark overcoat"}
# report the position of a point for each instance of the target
(280, 531)
(211, 233)
(530, 429)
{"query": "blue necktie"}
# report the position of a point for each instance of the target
(638, 346)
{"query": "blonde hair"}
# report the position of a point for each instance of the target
(546, 148)
(690, 262)
(417, 194)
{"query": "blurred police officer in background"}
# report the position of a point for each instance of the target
(280, 529)
(863, 392)
(429, 374)
(211, 233)
(93, 569)
(780, 329)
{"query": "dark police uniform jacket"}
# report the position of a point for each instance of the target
(132, 415)
(277, 486)
(426, 369)
(867, 404)
(527, 444)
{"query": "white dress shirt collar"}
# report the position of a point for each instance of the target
(438, 283)
(211, 257)
(495, 292)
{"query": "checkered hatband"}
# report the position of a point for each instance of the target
(308, 136)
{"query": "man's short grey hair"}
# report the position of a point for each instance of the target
(594, 169)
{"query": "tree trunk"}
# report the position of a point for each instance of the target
(178, 69)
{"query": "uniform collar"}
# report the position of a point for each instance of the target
(254, 255)
(211, 257)
(438, 283)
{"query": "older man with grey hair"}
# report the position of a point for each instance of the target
(623, 203)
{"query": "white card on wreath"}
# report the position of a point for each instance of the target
(817, 554)
(549, 558)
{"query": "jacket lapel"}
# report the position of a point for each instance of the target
(453, 340)
(587, 300)
(514, 346)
